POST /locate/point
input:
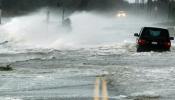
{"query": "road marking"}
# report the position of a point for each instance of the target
(97, 89)
(104, 90)
(100, 83)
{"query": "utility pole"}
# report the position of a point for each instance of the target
(61, 5)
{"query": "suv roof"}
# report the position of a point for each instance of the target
(154, 33)
(154, 28)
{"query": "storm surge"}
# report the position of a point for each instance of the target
(88, 29)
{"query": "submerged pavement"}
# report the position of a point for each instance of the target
(101, 73)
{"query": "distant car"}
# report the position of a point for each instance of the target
(121, 14)
(153, 39)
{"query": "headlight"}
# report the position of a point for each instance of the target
(121, 14)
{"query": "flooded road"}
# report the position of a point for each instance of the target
(72, 74)
(96, 61)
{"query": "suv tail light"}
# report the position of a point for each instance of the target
(141, 42)
(167, 44)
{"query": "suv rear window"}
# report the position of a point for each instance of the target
(155, 33)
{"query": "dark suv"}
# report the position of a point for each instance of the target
(151, 38)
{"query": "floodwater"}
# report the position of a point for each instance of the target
(51, 64)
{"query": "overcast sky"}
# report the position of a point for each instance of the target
(131, 1)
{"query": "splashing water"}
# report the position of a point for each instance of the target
(88, 29)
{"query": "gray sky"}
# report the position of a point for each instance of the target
(131, 1)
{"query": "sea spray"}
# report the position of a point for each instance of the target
(87, 29)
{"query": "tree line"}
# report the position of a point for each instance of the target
(20, 6)
(14, 7)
